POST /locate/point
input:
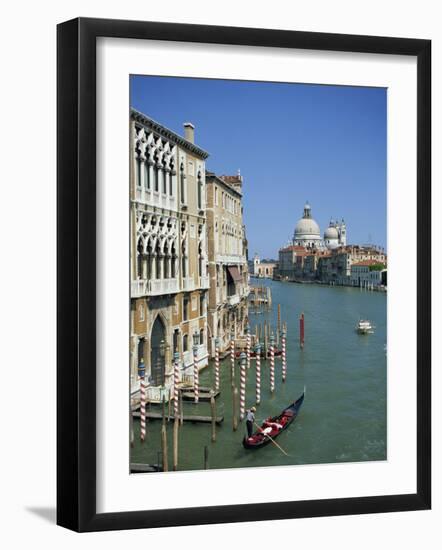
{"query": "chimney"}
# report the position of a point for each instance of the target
(189, 132)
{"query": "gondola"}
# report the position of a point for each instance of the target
(274, 426)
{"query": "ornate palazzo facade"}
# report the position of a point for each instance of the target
(227, 255)
(169, 264)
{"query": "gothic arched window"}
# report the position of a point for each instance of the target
(146, 176)
(182, 184)
(138, 175)
(200, 191)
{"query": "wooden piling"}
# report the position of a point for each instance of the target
(131, 427)
(216, 371)
(242, 387)
(164, 439)
(232, 360)
(169, 408)
(266, 340)
(279, 325)
(234, 406)
(272, 364)
(176, 425)
(181, 408)
(258, 373)
(213, 411)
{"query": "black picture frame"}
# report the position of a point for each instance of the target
(76, 273)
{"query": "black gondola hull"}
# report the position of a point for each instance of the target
(289, 414)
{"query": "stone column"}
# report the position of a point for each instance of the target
(173, 179)
(169, 266)
(153, 271)
(150, 170)
(160, 274)
(144, 267)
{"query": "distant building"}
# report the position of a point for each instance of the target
(227, 256)
(290, 258)
(368, 273)
(263, 269)
(336, 267)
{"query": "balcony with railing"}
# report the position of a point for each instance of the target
(139, 288)
(188, 283)
(154, 198)
(230, 259)
(204, 281)
(154, 287)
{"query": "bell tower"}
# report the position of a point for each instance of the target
(342, 233)
(256, 262)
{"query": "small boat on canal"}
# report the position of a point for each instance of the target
(274, 426)
(364, 327)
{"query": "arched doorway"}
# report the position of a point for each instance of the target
(157, 352)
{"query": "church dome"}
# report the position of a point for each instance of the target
(331, 233)
(307, 226)
(307, 229)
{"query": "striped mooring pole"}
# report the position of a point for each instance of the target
(217, 364)
(301, 331)
(176, 381)
(283, 352)
(272, 363)
(248, 338)
(196, 374)
(258, 373)
(142, 374)
(232, 357)
(242, 386)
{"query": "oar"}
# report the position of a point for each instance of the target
(271, 439)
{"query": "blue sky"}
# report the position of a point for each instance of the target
(292, 143)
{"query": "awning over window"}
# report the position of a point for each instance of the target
(234, 272)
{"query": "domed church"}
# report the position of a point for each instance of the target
(308, 234)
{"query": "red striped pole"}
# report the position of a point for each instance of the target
(232, 358)
(258, 373)
(176, 381)
(217, 364)
(142, 374)
(242, 386)
(196, 374)
(284, 358)
(301, 330)
(248, 345)
(272, 363)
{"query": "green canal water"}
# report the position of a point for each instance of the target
(343, 418)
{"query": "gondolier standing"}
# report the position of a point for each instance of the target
(250, 419)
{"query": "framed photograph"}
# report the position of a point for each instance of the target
(244, 242)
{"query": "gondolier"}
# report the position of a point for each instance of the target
(272, 427)
(250, 419)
